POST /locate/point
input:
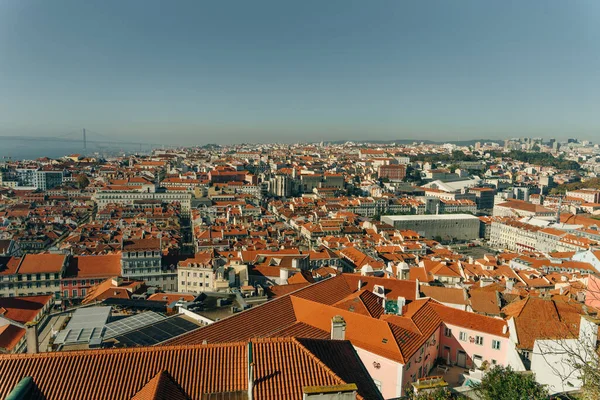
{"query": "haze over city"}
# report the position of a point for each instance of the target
(194, 72)
(309, 200)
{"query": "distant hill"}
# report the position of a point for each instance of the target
(411, 141)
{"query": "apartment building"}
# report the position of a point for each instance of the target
(32, 274)
(141, 260)
(587, 195)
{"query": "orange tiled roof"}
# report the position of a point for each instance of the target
(537, 318)
(391, 336)
(10, 336)
(471, 320)
(161, 386)
(23, 309)
(101, 266)
(282, 368)
(445, 294)
(41, 263)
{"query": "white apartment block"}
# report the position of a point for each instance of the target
(587, 195)
(105, 197)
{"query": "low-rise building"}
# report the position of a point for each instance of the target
(445, 226)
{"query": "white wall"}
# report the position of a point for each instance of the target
(553, 361)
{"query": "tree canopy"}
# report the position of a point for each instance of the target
(502, 383)
(593, 183)
(542, 159)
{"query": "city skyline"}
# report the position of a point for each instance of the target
(200, 73)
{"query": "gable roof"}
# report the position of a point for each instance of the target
(309, 311)
(23, 309)
(41, 263)
(161, 387)
(538, 318)
(282, 368)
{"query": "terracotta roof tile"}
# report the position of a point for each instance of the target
(537, 318)
(444, 294)
(97, 266)
(161, 387)
(471, 320)
(23, 309)
(41, 263)
(282, 368)
(10, 335)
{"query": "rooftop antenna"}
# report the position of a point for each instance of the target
(84, 141)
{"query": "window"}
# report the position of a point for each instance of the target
(463, 336)
(182, 283)
(83, 292)
(496, 344)
(447, 332)
(66, 293)
(479, 340)
(74, 292)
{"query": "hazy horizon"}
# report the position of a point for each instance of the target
(194, 72)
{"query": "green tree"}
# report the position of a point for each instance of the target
(82, 181)
(439, 394)
(502, 383)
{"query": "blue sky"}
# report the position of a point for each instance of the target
(192, 72)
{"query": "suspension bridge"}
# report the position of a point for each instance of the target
(89, 141)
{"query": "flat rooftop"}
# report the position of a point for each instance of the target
(426, 217)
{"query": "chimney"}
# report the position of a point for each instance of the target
(360, 284)
(401, 303)
(284, 275)
(510, 284)
(504, 329)
(250, 372)
(31, 333)
(417, 291)
(338, 328)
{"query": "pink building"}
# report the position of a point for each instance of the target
(83, 272)
(468, 339)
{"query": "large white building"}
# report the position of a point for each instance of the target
(36, 178)
(587, 195)
(520, 208)
(446, 226)
(105, 197)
